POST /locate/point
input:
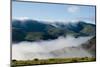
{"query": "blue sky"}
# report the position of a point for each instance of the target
(53, 12)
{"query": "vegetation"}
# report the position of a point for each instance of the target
(37, 61)
(88, 29)
(32, 30)
(31, 36)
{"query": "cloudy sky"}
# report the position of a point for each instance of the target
(53, 12)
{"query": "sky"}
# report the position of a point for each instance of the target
(53, 12)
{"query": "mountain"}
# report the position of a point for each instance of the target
(33, 30)
(79, 28)
(30, 30)
(90, 46)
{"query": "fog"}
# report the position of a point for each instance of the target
(42, 49)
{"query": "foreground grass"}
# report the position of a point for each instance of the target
(16, 63)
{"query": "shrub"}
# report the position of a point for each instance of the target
(36, 59)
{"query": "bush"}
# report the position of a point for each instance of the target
(36, 59)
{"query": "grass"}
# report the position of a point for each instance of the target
(36, 61)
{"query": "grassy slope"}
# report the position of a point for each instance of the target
(36, 61)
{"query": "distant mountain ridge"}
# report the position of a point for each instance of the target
(33, 30)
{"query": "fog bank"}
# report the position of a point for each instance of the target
(43, 49)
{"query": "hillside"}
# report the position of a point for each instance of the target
(90, 46)
(32, 30)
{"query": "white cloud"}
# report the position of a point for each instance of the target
(21, 18)
(47, 20)
(90, 19)
(31, 50)
(73, 9)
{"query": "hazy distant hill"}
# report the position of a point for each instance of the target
(33, 30)
(90, 46)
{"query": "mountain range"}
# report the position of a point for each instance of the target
(33, 30)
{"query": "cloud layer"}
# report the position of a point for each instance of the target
(42, 49)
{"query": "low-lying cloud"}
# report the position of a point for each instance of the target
(41, 49)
